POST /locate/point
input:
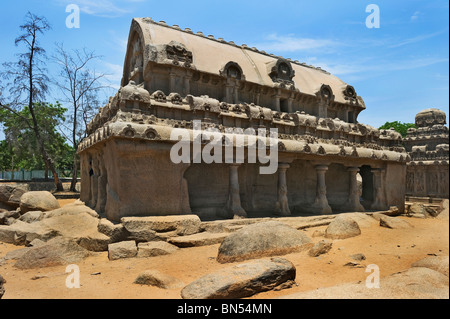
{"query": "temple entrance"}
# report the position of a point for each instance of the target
(367, 186)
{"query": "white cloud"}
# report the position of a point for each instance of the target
(418, 38)
(415, 16)
(289, 43)
(102, 8)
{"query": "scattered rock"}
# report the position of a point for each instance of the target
(158, 279)
(114, 232)
(394, 222)
(318, 233)
(155, 248)
(10, 195)
(75, 208)
(123, 249)
(438, 263)
(262, 239)
(21, 233)
(322, 247)
(414, 283)
(38, 200)
(2, 288)
(242, 280)
(443, 208)
(358, 257)
(354, 265)
(342, 227)
(200, 239)
(57, 251)
(81, 226)
(32, 216)
(146, 228)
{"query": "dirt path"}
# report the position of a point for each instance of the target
(392, 250)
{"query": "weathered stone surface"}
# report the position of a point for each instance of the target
(438, 263)
(262, 239)
(82, 227)
(116, 232)
(363, 220)
(74, 208)
(444, 210)
(57, 251)
(241, 280)
(21, 233)
(2, 288)
(358, 257)
(342, 227)
(32, 216)
(38, 200)
(182, 224)
(200, 239)
(155, 248)
(394, 222)
(158, 279)
(8, 217)
(322, 247)
(414, 283)
(123, 249)
(10, 195)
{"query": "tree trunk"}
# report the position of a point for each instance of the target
(74, 181)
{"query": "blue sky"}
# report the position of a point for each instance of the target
(399, 69)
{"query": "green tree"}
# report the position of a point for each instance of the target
(20, 148)
(400, 127)
(29, 83)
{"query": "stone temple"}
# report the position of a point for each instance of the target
(427, 172)
(173, 77)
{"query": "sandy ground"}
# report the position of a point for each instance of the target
(392, 250)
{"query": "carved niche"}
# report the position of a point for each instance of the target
(179, 54)
(281, 72)
(350, 94)
(232, 70)
(136, 61)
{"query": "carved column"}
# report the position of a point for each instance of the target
(321, 202)
(172, 77)
(353, 202)
(94, 182)
(234, 207)
(277, 102)
(379, 202)
(101, 184)
(187, 84)
(282, 205)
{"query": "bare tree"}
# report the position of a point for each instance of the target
(79, 84)
(30, 81)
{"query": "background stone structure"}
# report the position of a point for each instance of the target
(173, 76)
(428, 146)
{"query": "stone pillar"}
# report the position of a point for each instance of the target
(94, 182)
(187, 85)
(379, 200)
(282, 205)
(320, 205)
(102, 181)
(234, 208)
(277, 103)
(353, 202)
(172, 77)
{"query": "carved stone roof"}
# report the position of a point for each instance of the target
(211, 55)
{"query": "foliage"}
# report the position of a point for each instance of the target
(400, 127)
(20, 149)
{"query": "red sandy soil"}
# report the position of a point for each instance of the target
(392, 250)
